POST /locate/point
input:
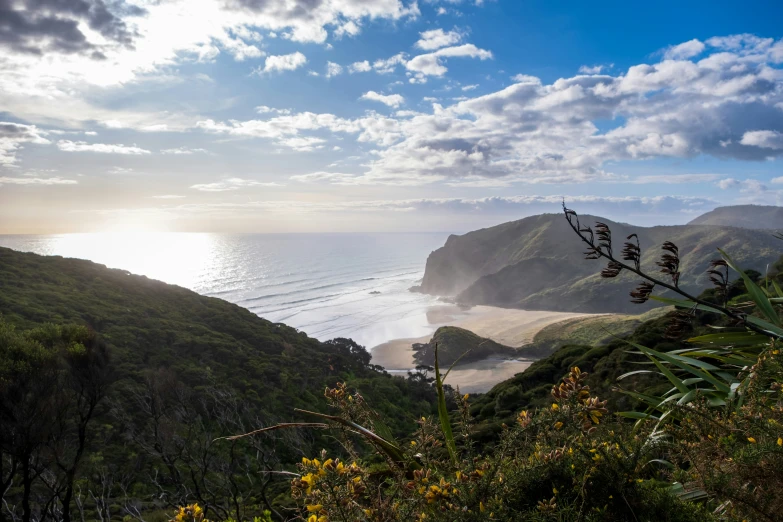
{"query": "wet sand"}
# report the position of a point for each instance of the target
(510, 327)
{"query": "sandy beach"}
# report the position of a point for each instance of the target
(510, 327)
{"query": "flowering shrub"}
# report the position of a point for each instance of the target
(563, 462)
(736, 453)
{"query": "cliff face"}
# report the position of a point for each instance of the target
(537, 263)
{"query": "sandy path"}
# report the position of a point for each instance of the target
(510, 327)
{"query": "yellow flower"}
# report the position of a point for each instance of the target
(558, 425)
(413, 443)
(312, 518)
(555, 406)
(481, 507)
(780, 441)
(191, 513)
(465, 397)
(751, 440)
(314, 508)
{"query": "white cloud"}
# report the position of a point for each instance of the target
(334, 178)
(675, 178)
(525, 78)
(437, 38)
(183, 150)
(725, 105)
(12, 138)
(5, 180)
(528, 204)
(168, 196)
(45, 77)
(594, 69)
(357, 67)
(431, 64)
(302, 143)
(103, 148)
(120, 170)
(752, 191)
(388, 65)
(392, 100)
(333, 69)
(684, 50)
(231, 184)
(469, 87)
(263, 109)
(349, 28)
(763, 138)
(283, 62)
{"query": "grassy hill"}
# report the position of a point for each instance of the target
(584, 343)
(184, 369)
(453, 342)
(148, 324)
(593, 331)
(530, 263)
(743, 216)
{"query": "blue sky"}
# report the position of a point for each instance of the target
(348, 115)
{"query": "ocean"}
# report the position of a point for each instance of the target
(327, 285)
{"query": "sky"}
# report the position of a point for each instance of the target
(383, 115)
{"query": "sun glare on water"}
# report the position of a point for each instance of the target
(176, 258)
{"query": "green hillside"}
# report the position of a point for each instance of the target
(587, 343)
(457, 343)
(745, 216)
(530, 263)
(192, 368)
(591, 330)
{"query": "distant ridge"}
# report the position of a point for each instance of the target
(537, 263)
(744, 216)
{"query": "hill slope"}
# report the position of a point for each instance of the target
(743, 216)
(459, 344)
(530, 263)
(148, 325)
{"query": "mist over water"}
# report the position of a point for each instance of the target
(318, 283)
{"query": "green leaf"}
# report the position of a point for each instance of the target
(689, 365)
(636, 415)
(443, 413)
(672, 378)
(777, 288)
(755, 292)
(746, 338)
(623, 376)
(774, 331)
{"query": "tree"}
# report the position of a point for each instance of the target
(52, 380)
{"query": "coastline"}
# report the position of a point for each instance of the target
(506, 326)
